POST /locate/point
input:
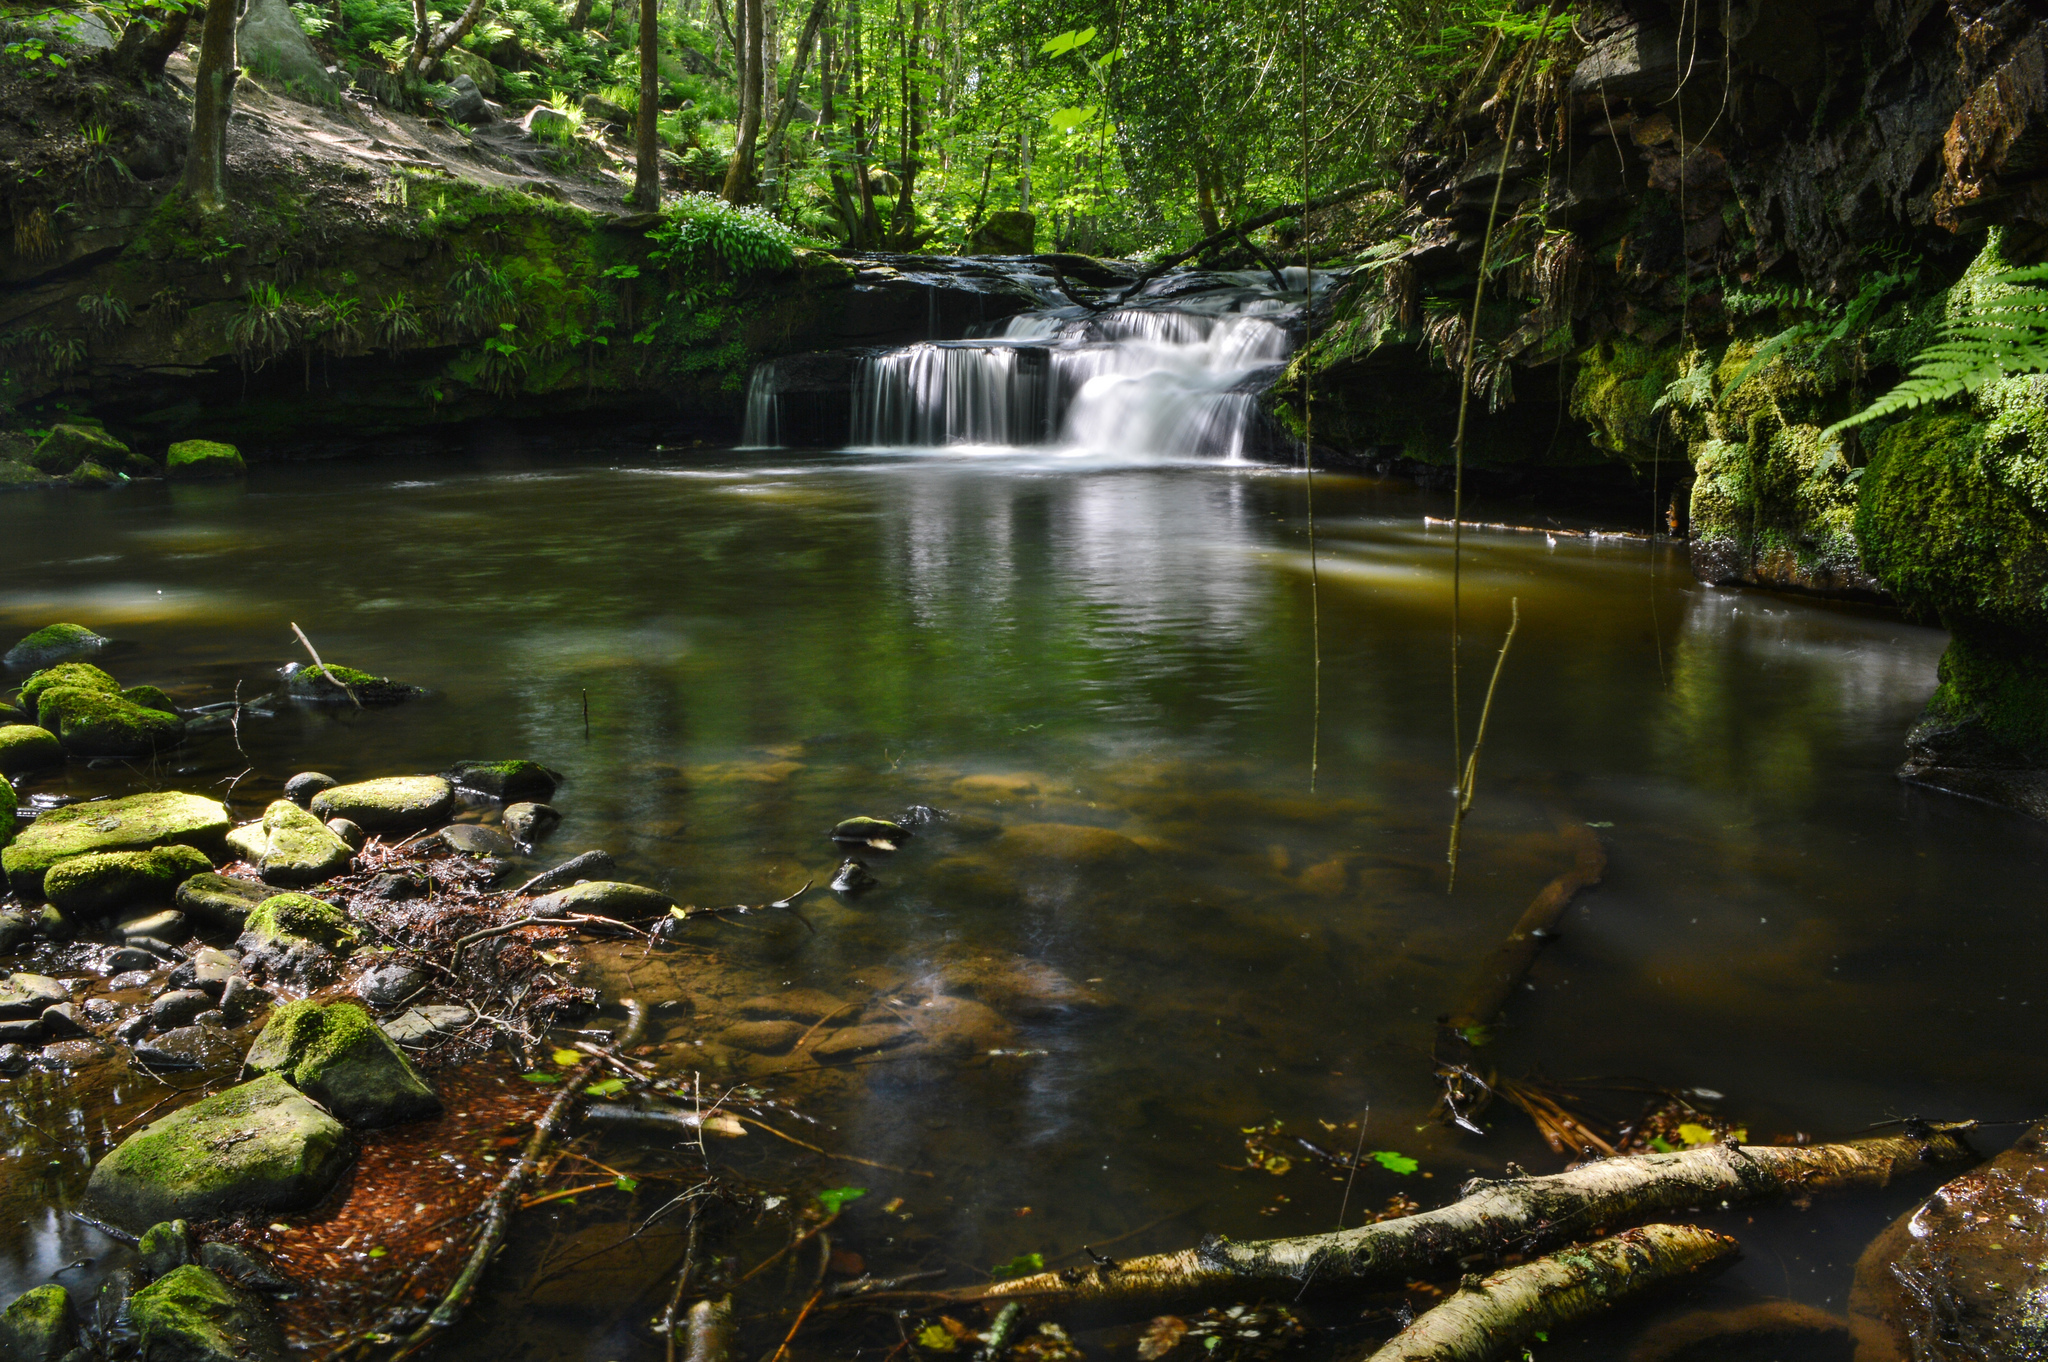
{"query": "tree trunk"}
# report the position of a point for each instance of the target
(579, 18)
(647, 160)
(432, 51)
(149, 40)
(1205, 202)
(739, 173)
(913, 128)
(796, 76)
(213, 100)
(1497, 1317)
(1519, 1215)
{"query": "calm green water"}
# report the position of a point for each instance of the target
(771, 643)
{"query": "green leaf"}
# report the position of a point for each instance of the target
(378, 1252)
(1661, 1145)
(1394, 1161)
(626, 1184)
(1023, 1265)
(542, 1078)
(566, 1058)
(833, 1199)
(610, 1087)
(1074, 119)
(1066, 42)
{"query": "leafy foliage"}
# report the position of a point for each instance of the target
(704, 230)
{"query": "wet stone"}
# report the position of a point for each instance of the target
(70, 1054)
(386, 986)
(132, 979)
(590, 865)
(129, 959)
(156, 946)
(164, 926)
(64, 1022)
(25, 1031)
(850, 1042)
(798, 1004)
(529, 823)
(351, 836)
(242, 1267)
(392, 804)
(609, 898)
(208, 970)
(241, 998)
(474, 839)
(14, 1058)
(26, 995)
(164, 1246)
(179, 1007)
(16, 929)
(195, 1316)
(397, 888)
(220, 900)
(36, 1327)
(301, 788)
(189, 1047)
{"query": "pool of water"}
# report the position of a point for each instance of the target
(768, 643)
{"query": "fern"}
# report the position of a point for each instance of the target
(1987, 338)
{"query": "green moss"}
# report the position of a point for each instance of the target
(507, 780)
(193, 1314)
(149, 697)
(1616, 392)
(27, 747)
(336, 1054)
(304, 917)
(203, 459)
(101, 881)
(37, 1326)
(74, 675)
(391, 804)
(130, 824)
(332, 684)
(92, 723)
(67, 447)
(53, 644)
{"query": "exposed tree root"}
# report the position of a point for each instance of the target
(1490, 1320)
(1522, 1215)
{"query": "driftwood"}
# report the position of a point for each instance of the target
(1495, 1318)
(1519, 1215)
(504, 1202)
(1486, 996)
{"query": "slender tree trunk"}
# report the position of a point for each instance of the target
(739, 174)
(213, 100)
(869, 228)
(579, 18)
(1205, 189)
(149, 40)
(913, 109)
(647, 170)
(434, 49)
(796, 76)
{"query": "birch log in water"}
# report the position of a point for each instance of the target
(1489, 1321)
(1521, 1215)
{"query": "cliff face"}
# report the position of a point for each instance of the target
(1723, 228)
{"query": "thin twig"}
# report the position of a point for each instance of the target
(801, 1316)
(844, 1158)
(1466, 787)
(325, 670)
(1356, 1155)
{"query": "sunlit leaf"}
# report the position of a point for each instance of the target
(610, 1087)
(1023, 1265)
(378, 1252)
(1070, 120)
(833, 1199)
(1394, 1161)
(542, 1078)
(566, 1058)
(626, 1184)
(1694, 1134)
(1064, 43)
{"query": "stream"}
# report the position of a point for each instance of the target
(1031, 599)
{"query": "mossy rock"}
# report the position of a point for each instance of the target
(135, 465)
(149, 697)
(134, 823)
(1616, 392)
(193, 1314)
(609, 898)
(292, 848)
(191, 459)
(10, 804)
(67, 676)
(101, 881)
(37, 1326)
(92, 477)
(510, 781)
(28, 747)
(15, 475)
(330, 685)
(164, 1247)
(92, 723)
(52, 644)
(339, 1057)
(221, 900)
(391, 804)
(68, 446)
(262, 1146)
(299, 917)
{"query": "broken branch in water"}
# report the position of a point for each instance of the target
(1521, 1215)
(1494, 1318)
(504, 1201)
(324, 671)
(1468, 780)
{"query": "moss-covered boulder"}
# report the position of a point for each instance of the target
(220, 900)
(149, 697)
(337, 1055)
(101, 881)
(1954, 519)
(192, 1314)
(133, 823)
(262, 1146)
(330, 685)
(391, 804)
(51, 644)
(67, 446)
(37, 1326)
(92, 477)
(298, 917)
(66, 676)
(164, 1247)
(15, 475)
(290, 847)
(9, 802)
(28, 747)
(92, 723)
(507, 780)
(192, 459)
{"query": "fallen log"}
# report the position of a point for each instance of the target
(1517, 1215)
(1495, 1318)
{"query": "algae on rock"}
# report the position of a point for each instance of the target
(52, 644)
(389, 804)
(134, 823)
(101, 881)
(336, 1055)
(192, 1314)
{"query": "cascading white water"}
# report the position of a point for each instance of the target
(1176, 374)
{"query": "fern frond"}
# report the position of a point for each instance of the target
(1769, 349)
(2006, 335)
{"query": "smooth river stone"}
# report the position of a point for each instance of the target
(390, 804)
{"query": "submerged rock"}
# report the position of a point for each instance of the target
(336, 1055)
(391, 804)
(193, 1315)
(608, 898)
(262, 1146)
(101, 881)
(37, 1326)
(763, 1037)
(291, 847)
(1068, 843)
(331, 685)
(797, 1004)
(590, 865)
(507, 780)
(879, 833)
(220, 900)
(525, 822)
(28, 747)
(195, 459)
(852, 878)
(135, 823)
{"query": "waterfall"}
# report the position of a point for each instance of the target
(1175, 374)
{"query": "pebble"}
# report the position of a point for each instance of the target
(13, 1059)
(395, 888)
(154, 946)
(530, 822)
(134, 978)
(386, 986)
(178, 1008)
(26, 995)
(348, 832)
(417, 1026)
(63, 1022)
(301, 788)
(72, 1053)
(208, 971)
(129, 958)
(101, 1011)
(168, 925)
(22, 1031)
(240, 998)
(474, 839)
(241, 1266)
(188, 1047)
